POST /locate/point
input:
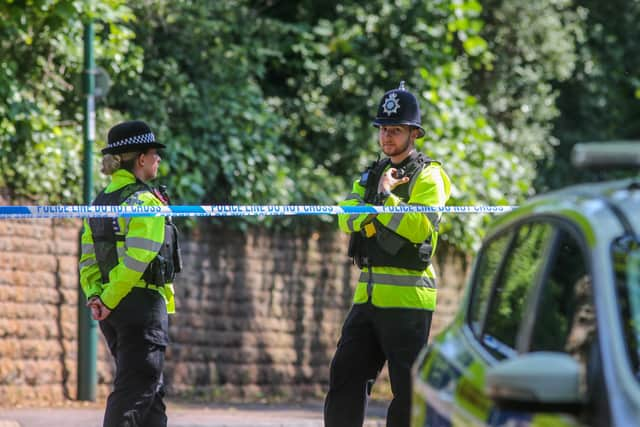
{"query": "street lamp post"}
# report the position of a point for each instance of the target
(87, 327)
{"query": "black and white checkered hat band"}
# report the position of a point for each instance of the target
(145, 138)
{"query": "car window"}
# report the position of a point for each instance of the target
(522, 265)
(488, 265)
(626, 261)
(565, 320)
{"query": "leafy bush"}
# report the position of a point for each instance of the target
(41, 60)
(264, 102)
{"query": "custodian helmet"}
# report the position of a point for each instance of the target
(399, 107)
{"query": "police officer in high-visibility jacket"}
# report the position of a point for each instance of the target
(396, 292)
(127, 268)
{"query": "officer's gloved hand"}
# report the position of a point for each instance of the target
(390, 180)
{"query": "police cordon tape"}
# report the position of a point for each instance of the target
(83, 211)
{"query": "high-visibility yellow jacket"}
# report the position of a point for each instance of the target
(393, 286)
(143, 238)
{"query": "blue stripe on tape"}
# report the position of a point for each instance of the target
(136, 214)
(14, 210)
(184, 210)
(359, 209)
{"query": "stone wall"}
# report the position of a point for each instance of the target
(38, 282)
(259, 313)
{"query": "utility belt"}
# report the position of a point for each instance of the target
(377, 246)
(148, 286)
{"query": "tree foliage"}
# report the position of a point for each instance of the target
(40, 105)
(280, 111)
(352, 53)
(601, 101)
(264, 101)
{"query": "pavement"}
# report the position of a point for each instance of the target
(82, 414)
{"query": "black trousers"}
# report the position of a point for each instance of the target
(371, 336)
(137, 335)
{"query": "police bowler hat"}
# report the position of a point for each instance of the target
(399, 107)
(130, 136)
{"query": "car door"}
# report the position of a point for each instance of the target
(562, 319)
(530, 291)
(497, 313)
(441, 365)
(559, 317)
(450, 379)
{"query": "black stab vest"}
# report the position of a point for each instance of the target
(106, 232)
(386, 248)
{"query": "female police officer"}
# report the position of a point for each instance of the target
(126, 271)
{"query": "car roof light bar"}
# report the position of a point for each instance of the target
(605, 155)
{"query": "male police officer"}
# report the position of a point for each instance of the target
(126, 271)
(396, 292)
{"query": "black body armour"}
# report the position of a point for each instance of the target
(106, 232)
(386, 248)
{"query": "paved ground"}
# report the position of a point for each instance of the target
(78, 414)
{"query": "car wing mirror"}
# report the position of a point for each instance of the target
(550, 380)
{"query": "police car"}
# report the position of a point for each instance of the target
(548, 332)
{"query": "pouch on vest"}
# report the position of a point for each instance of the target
(356, 249)
(424, 252)
(399, 251)
(168, 262)
(389, 241)
(177, 254)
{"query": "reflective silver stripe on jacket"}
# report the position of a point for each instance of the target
(88, 249)
(413, 181)
(127, 220)
(392, 279)
(142, 243)
(353, 196)
(353, 217)
(350, 221)
(134, 264)
(395, 221)
(87, 263)
(434, 218)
